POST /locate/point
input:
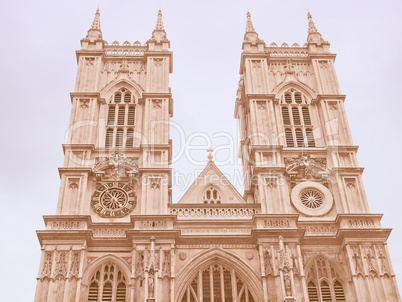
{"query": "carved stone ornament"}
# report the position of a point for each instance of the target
(249, 255)
(75, 265)
(73, 185)
(89, 61)
(116, 160)
(182, 256)
(47, 266)
(305, 167)
(84, 103)
(157, 104)
(289, 67)
(139, 264)
(60, 271)
(155, 183)
(124, 67)
(268, 262)
(358, 265)
(285, 265)
(383, 261)
(116, 167)
(166, 263)
(261, 105)
(371, 266)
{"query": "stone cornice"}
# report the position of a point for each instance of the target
(78, 94)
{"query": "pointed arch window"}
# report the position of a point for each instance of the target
(297, 120)
(120, 120)
(219, 284)
(211, 195)
(324, 282)
(107, 285)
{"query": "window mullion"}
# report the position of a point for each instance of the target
(100, 292)
(200, 287)
(114, 137)
(222, 283)
(234, 285)
(114, 285)
(211, 282)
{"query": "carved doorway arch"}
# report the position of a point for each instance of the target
(218, 276)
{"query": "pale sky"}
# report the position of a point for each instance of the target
(38, 69)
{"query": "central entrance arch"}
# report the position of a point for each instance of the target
(219, 276)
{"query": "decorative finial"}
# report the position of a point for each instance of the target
(249, 25)
(96, 23)
(311, 25)
(95, 33)
(251, 35)
(313, 35)
(159, 23)
(210, 156)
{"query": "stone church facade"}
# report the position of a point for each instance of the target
(302, 230)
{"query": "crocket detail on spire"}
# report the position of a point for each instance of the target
(311, 25)
(249, 25)
(95, 33)
(159, 33)
(96, 23)
(159, 23)
(250, 35)
(313, 35)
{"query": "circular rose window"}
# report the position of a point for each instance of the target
(311, 198)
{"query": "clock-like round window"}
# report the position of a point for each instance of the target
(312, 198)
(113, 199)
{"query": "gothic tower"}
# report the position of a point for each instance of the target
(301, 232)
(299, 159)
(116, 162)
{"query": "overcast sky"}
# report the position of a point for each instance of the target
(38, 69)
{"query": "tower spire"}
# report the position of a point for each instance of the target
(251, 36)
(159, 33)
(95, 33)
(159, 23)
(249, 25)
(96, 23)
(313, 35)
(311, 25)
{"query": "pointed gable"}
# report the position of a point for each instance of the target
(211, 186)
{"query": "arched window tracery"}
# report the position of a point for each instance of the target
(120, 120)
(219, 284)
(211, 195)
(297, 120)
(107, 285)
(324, 282)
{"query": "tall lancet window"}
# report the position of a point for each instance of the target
(296, 120)
(108, 285)
(120, 120)
(324, 283)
